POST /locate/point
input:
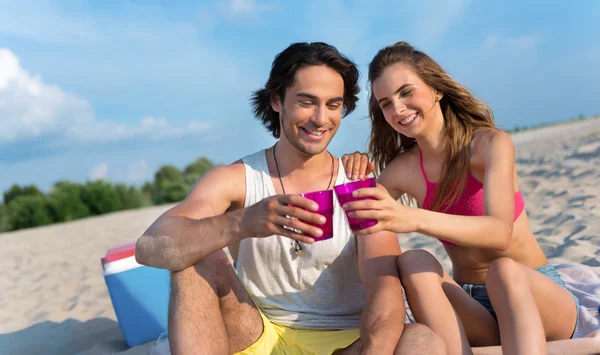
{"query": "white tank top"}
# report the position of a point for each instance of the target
(320, 289)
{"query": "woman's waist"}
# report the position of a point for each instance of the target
(473, 268)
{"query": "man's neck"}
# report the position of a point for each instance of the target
(299, 172)
(291, 161)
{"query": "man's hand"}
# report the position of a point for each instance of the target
(357, 165)
(286, 215)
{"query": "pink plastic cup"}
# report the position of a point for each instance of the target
(344, 195)
(325, 201)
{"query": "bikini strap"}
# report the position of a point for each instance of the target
(422, 168)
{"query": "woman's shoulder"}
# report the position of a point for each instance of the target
(486, 141)
(399, 173)
(406, 160)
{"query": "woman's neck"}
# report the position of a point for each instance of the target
(431, 142)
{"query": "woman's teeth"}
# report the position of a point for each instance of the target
(409, 119)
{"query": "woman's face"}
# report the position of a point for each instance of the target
(406, 101)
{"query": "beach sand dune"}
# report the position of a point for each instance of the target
(54, 299)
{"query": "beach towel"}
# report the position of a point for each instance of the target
(584, 282)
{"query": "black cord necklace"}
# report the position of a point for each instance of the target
(297, 246)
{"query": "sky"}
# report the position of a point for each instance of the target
(115, 89)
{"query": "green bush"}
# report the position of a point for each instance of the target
(130, 197)
(64, 201)
(4, 218)
(16, 191)
(173, 191)
(26, 206)
(166, 174)
(27, 211)
(100, 197)
(148, 190)
(197, 169)
(169, 185)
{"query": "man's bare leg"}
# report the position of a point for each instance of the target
(210, 312)
(416, 339)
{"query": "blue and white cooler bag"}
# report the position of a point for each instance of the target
(139, 294)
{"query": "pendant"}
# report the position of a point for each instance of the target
(298, 249)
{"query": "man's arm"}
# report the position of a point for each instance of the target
(198, 226)
(382, 320)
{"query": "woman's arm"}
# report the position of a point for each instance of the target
(491, 231)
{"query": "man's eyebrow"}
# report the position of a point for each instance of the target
(395, 92)
(313, 97)
(307, 95)
(335, 99)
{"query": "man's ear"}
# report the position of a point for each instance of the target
(276, 103)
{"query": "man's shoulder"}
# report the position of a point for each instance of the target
(237, 168)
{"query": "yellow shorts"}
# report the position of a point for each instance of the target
(277, 339)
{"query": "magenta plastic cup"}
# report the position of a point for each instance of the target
(344, 195)
(325, 201)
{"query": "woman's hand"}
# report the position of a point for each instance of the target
(390, 215)
(357, 165)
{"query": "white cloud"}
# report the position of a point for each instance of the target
(439, 17)
(523, 43)
(32, 109)
(527, 42)
(235, 9)
(46, 24)
(29, 108)
(508, 52)
(137, 172)
(99, 172)
(492, 40)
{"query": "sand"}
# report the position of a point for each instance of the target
(54, 299)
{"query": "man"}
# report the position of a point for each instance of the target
(290, 294)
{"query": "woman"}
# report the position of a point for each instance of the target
(437, 143)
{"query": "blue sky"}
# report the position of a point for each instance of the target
(98, 89)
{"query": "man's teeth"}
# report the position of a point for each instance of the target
(314, 133)
(409, 119)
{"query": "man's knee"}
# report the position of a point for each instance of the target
(419, 339)
(214, 270)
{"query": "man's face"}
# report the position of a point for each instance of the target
(312, 109)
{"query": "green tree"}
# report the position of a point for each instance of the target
(16, 191)
(28, 211)
(196, 169)
(173, 191)
(148, 190)
(166, 174)
(130, 197)
(65, 203)
(168, 185)
(3, 218)
(100, 197)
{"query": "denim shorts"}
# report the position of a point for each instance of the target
(480, 294)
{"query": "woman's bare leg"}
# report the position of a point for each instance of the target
(439, 303)
(521, 329)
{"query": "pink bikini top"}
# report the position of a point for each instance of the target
(470, 202)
